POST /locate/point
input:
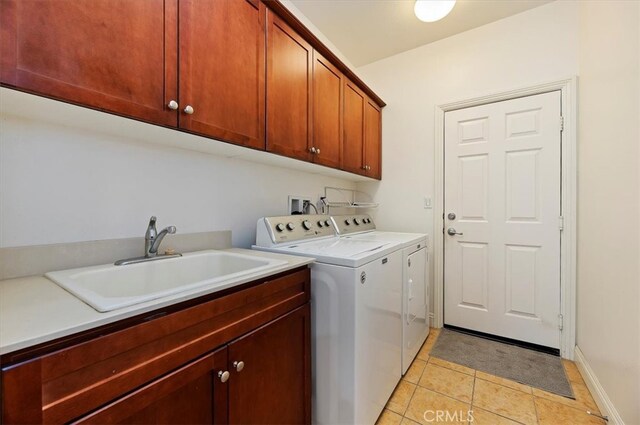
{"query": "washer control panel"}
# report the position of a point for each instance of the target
(289, 228)
(346, 224)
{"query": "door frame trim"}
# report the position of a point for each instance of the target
(568, 89)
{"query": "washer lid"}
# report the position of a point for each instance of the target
(405, 239)
(340, 251)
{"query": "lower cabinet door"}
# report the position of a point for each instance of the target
(192, 394)
(270, 372)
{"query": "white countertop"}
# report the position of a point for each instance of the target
(34, 309)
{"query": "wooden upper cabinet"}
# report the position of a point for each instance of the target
(373, 140)
(327, 112)
(289, 76)
(353, 143)
(274, 384)
(222, 69)
(113, 55)
(362, 144)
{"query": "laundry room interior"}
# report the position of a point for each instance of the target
(320, 211)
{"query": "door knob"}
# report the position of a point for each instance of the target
(451, 231)
(173, 105)
(239, 366)
(224, 376)
(188, 110)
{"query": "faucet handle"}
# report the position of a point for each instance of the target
(152, 220)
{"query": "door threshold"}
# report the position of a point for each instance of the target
(504, 340)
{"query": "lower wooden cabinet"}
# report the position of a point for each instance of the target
(193, 394)
(261, 378)
(243, 357)
(271, 373)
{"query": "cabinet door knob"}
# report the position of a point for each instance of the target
(224, 376)
(238, 365)
(188, 110)
(173, 105)
(312, 149)
(318, 151)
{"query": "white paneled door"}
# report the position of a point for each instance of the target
(503, 218)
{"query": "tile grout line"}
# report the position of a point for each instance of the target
(535, 407)
(473, 396)
(505, 386)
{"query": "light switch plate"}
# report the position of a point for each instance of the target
(427, 203)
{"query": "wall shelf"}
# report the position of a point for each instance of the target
(338, 197)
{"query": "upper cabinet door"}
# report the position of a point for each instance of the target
(327, 112)
(222, 70)
(289, 73)
(353, 143)
(373, 140)
(113, 55)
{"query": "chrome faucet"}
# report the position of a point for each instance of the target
(152, 241)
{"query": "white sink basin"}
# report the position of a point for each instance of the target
(110, 287)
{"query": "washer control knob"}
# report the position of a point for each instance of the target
(320, 223)
(347, 222)
(327, 223)
(306, 224)
(279, 227)
(356, 221)
(291, 226)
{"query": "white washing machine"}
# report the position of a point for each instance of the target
(415, 299)
(356, 304)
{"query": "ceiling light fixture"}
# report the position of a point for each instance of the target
(433, 10)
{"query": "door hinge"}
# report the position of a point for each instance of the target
(561, 123)
(560, 321)
(561, 223)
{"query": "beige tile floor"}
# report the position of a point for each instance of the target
(442, 388)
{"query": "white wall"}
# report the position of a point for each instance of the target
(536, 46)
(609, 201)
(62, 184)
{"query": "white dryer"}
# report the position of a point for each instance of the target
(415, 299)
(356, 308)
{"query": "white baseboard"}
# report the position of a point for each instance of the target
(597, 390)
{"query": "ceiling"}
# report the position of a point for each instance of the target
(368, 30)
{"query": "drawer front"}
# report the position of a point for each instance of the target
(75, 380)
